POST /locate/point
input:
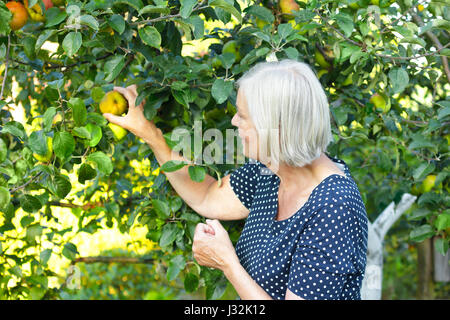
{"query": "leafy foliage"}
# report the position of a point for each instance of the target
(394, 49)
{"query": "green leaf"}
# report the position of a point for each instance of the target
(221, 90)
(155, 9)
(186, 7)
(197, 173)
(15, 128)
(79, 111)
(423, 170)
(168, 234)
(191, 282)
(62, 186)
(33, 231)
(70, 251)
(48, 118)
(358, 56)
(72, 43)
(103, 162)
(216, 290)
(3, 150)
(89, 21)
(95, 132)
(197, 26)
(445, 111)
(38, 143)
(429, 197)
(63, 144)
(5, 197)
(399, 79)
(421, 233)
(291, 53)
(261, 12)
(29, 45)
(5, 17)
(81, 132)
(117, 22)
(150, 36)
(228, 7)
(97, 94)
(113, 67)
(37, 293)
(30, 203)
(176, 264)
(441, 245)
(419, 141)
(419, 214)
(45, 256)
(414, 40)
(54, 16)
(443, 221)
(285, 29)
(173, 165)
(161, 208)
(175, 204)
(345, 22)
(44, 36)
(26, 220)
(136, 4)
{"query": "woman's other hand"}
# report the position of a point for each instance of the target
(212, 246)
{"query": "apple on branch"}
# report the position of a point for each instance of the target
(115, 103)
(19, 15)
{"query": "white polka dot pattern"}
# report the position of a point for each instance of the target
(317, 253)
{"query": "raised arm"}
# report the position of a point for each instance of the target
(206, 197)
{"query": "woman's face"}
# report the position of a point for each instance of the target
(246, 128)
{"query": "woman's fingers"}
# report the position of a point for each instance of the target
(133, 88)
(128, 94)
(204, 228)
(119, 120)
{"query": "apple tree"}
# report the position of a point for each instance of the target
(382, 63)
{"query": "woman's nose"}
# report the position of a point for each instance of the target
(233, 120)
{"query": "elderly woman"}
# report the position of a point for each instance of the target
(305, 234)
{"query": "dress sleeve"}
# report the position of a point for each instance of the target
(244, 181)
(326, 254)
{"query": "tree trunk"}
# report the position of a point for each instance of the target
(425, 270)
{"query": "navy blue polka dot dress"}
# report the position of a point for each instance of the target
(317, 253)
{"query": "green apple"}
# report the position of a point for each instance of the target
(320, 58)
(261, 23)
(429, 183)
(216, 63)
(231, 46)
(118, 131)
(114, 102)
(349, 80)
(380, 103)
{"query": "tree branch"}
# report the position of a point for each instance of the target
(25, 184)
(436, 42)
(166, 17)
(101, 259)
(430, 34)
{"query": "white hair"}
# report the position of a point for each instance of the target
(286, 97)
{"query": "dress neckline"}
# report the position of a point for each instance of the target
(316, 188)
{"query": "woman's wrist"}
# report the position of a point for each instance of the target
(152, 136)
(230, 266)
